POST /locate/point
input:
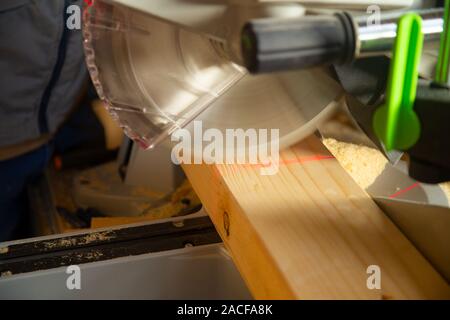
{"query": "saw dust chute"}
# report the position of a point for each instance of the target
(156, 75)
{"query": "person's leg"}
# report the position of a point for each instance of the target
(15, 174)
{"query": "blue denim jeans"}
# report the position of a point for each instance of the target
(15, 175)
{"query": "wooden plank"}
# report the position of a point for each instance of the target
(310, 232)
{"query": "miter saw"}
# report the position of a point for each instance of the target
(290, 65)
(160, 64)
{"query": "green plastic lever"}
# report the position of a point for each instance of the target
(443, 66)
(395, 123)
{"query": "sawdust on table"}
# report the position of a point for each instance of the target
(87, 239)
(179, 203)
(175, 204)
(97, 236)
(6, 274)
(93, 255)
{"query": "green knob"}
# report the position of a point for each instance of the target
(395, 123)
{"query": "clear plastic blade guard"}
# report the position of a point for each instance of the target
(159, 64)
(154, 76)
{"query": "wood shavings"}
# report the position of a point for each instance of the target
(6, 274)
(175, 204)
(364, 164)
(93, 255)
(60, 243)
(68, 242)
(97, 236)
(446, 188)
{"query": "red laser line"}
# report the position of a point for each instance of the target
(289, 161)
(306, 159)
(395, 195)
(292, 161)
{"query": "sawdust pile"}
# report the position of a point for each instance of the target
(6, 274)
(364, 164)
(446, 188)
